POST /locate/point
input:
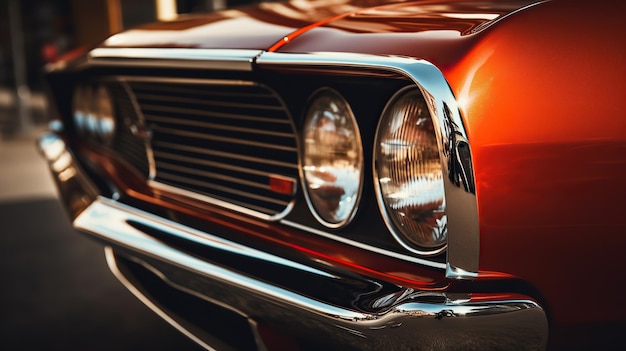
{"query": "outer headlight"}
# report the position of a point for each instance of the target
(408, 172)
(333, 159)
(104, 111)
(81, 107)
(94, 112)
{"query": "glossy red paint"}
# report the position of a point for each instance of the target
(438, 31)
(543, 114)
(548, 133)
(258, 27)
(540, 91)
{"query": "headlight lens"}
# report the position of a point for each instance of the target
(105, 114)
(333, 159)
(81, 107)
(93, 110)
(409, 174)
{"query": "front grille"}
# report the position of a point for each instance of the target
(221, 140)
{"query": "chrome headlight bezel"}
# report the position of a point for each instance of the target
(436, 187)
(349, 201)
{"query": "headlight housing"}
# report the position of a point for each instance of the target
(332, 159)
(409, 175)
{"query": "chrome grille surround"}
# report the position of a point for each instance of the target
(218, 141)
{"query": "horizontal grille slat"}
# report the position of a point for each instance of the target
(211, 186)
(224, 141)
(224, 117)
(205, 103)
(211, 175)
(193, 160)
(226, 155)
(213, 137)
(193, 123)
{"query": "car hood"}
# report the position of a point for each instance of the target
(256, 27)
(306, 26)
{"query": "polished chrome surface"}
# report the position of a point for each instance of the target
(462, 208)
(378, 250)
(76, 190)
(112, 221)
(214, 59)
(218, 141)
(407, 315)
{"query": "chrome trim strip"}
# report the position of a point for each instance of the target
(110, 220)
(198, 81)
(462, 207)
(214, 59)
(361, 245)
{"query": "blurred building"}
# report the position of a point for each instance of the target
(35, 32)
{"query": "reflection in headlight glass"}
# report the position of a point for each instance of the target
(333, 159)
(410, 179)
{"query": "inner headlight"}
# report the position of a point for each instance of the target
(332, 159)
(410, 184)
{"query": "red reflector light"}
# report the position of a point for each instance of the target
(282, 185)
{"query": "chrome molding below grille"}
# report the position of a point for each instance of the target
(218, 141)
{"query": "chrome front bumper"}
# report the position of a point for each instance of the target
(398, 318)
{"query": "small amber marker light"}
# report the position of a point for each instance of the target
(282, 185)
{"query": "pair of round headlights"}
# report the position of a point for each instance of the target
(93, 111)
(407, 167)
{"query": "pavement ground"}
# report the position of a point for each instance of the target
(57, 292)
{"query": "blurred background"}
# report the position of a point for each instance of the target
(56, 291)
(36, 32)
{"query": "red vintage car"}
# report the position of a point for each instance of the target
(358, 174)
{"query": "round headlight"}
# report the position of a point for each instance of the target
(105, 127)
(332, 159)
(409, 176)
(81, 108)
(91, 114)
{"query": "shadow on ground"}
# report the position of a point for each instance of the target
(58, 294)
